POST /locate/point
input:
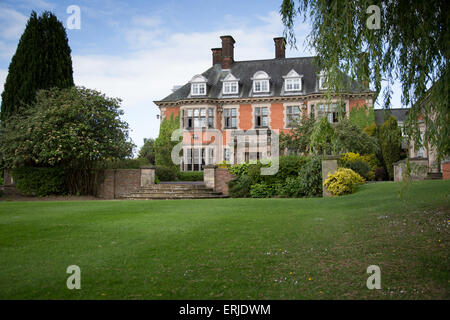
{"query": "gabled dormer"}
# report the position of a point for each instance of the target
(261, 82)
(230, 85)
(292, 81)
(198, 85)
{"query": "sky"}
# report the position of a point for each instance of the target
(138, 50)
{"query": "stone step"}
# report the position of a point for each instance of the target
(172, 197)
(434, 176)
(150, 190)
(174, 191)
(176, 186)
(168, 193)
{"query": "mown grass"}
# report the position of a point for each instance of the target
(232, 248)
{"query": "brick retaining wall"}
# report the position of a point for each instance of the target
(119, 182)
(222, 176)
(446, 170)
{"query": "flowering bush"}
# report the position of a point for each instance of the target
(343, 181)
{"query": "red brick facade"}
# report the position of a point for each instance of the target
(258, 95)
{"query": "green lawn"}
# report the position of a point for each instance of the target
(231, 248)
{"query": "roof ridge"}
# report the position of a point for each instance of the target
(275, 59)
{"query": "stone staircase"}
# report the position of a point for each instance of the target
(434, 176)
(171, 190)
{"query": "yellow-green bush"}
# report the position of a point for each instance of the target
(343, 181)
(352, 161)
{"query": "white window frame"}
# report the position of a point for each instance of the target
(293, 82)
(198, 89)
(261, 82)
(230, 87)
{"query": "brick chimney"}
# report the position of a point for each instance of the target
(216, 55)
(280, 47)
(227, 51)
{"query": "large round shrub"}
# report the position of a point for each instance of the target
(343, 181)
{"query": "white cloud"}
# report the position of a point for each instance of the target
(145, 21)
(3, 74)
(42, 4)
(12, 23)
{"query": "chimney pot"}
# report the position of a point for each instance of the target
(280, 47)
(227, 51)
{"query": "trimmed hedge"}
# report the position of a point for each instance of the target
(190, 176)
(40, 181)
(124, 164)
(165, 174)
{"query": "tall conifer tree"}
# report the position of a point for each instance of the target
(42, 61)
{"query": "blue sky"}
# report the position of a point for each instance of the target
(138, 50)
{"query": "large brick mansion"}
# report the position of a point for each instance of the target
(250, 96)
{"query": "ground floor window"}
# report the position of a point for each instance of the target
(331, 112)
(292, 115)
(194, 159)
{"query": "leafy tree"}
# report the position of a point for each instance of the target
(322, 137)
(74, 128)
(147, 151)
(362, 117)
(350, 138)
(42, 61)
(410, 44)
(163, 144)
(390, 136)
(298, 139)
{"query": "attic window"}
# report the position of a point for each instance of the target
(292, 81)
(198, 89)
(198, 85)
(261, 82)
(230, 85)
(322, 81)
(292, 84)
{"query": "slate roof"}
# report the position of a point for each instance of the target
(399, 113)
(244, 71)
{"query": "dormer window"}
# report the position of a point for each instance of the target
(323, 81)
(230, 85)
(198, 85)
(261, 82)
(292, 81)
